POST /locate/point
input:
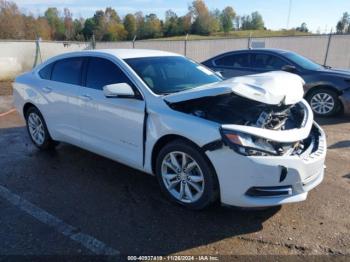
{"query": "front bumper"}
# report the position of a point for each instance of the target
(238, 174)
(345, 99)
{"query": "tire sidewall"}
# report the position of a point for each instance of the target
(48, 143)
(210, 182)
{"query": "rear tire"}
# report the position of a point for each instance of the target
(38, 131)
(186, 176)
(324, 102)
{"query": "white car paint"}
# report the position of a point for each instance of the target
(271, 88)
(78, 115)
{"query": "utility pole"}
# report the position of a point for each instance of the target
(289, 13)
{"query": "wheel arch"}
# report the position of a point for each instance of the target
(162, 141)
(26, 108)
(330, 87)
(308, 92)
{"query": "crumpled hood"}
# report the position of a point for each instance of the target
(271, 88)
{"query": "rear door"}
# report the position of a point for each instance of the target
(231, 65)
(112, 127)
(263, 62)
(62, 88)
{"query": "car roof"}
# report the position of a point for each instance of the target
(126, 53)
(272, 50)
(252, 50)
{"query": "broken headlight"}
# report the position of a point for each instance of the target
(248, 145)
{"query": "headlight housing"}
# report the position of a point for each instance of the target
(248, 145)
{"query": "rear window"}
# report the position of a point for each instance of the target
(234, 60)
(68, 71)
(45, 73)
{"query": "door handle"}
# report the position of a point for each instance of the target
(47, 89)
(86, 97)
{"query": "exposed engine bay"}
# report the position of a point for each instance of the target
(234, 109)
(238, 110)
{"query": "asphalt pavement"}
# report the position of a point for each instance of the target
(73, 202)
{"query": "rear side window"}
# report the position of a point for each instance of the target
(101, 72)
(268, 62)
(45, 73)
(234, 60)
(68, 70)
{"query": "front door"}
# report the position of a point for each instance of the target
(112, 127)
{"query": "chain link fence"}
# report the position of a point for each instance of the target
(331, 50)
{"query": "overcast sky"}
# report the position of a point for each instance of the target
(318, 14)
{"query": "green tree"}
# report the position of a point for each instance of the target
(343, 26)
(56, 23)
(201, 18)
(171, 24)
(252, 22)
(302, 28)
(68, 24)
(214, 21)
(78, 26)
(227, 16)
(89, 28)
(257, 21)
(11, 21)
(152, 27)
(184, 24)
(246, 22)
(130, 25)
(105, 26)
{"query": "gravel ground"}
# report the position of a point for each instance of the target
(5, 88)
(124, 208)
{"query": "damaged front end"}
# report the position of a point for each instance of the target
(254, 128)
(258, 121)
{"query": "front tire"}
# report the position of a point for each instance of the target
(185, 175)
(324, 102)
(37, 130)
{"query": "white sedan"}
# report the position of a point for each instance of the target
(246, 141)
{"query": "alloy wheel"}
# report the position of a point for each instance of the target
(36, 128)
(182, 177)
(322, 103)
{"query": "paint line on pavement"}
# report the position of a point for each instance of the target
(94, 245)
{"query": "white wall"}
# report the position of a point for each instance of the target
(18, 56)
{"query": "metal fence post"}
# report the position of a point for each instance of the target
(93, 42)
(327, 50)
(249, 40)
(185, 47)
(37, 52)
(133, 42)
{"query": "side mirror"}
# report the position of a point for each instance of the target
(289, 68)
(120, 90)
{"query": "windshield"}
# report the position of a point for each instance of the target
(302, 61)
(169, 74)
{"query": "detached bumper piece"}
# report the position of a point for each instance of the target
(276, 191)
